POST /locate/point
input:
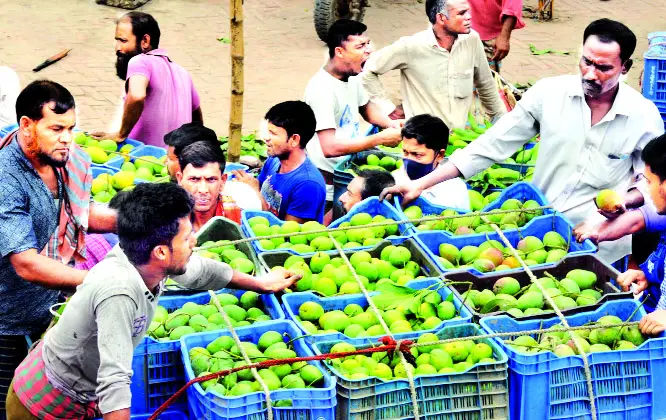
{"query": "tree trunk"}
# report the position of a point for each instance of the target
(237, 82)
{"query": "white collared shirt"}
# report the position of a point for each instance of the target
(576, 160)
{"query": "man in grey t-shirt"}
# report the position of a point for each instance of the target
(85, 361)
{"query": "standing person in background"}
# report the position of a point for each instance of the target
(599, 147)
(160, 95)
(289, 185)
(339, 101)
(10, 87)
(494, 20)
(439, 69)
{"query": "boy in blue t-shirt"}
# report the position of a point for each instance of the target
(290, 186)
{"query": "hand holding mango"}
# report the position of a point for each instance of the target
(610, 203)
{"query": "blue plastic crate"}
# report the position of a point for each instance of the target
(429, 268)
(115, 158)
(157, 365)
(626, 383)
(654, 74)
(167, 415)
(370, 205)
(310, 403)
(144, 150)
(99, 170)
(481, 392)
(538, 227)
(522, 191)
(292, 301)
(427, 207)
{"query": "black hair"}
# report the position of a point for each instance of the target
(296, 117)
(433, 7)
(654, 156)
(117, 200)
(612, 31)
(149, 216)
(200, 154)
(143, 24)
(375, 182)
(31, 100)
(428, 130)
(187, 134)
(340, 32)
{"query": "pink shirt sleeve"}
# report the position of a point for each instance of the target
(195, 97)
(513, 8)
(139, 65)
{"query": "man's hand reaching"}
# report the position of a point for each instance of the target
(278, 279)
(409, 191)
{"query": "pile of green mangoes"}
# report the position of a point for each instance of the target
(106, 186)
(561, 342)
(356, 322)
(222, 354)
(315, 242)
(225, 252)
(525, 156)
(575, 289)
(191, 317)
(492, 256)
(386, 163)
(330, 276)
(437, 359)
(100, 151)
(474, 224)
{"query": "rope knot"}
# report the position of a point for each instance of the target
(403, 346)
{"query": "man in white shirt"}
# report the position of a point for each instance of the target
(439, 69)
(10, 88)
(424, 141)
(593, 129)
(338, 101)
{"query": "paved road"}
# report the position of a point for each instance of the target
(282, 49)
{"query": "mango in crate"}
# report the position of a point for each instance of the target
(222, 353)
(225, 252)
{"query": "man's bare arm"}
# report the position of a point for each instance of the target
(44, 271)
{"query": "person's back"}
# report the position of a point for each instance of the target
(170, 98)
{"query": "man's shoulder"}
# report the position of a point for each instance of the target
(638, 102)
(310, 174)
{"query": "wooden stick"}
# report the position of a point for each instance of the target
(237, 82)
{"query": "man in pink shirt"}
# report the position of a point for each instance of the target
(494, 20)
(160, 95)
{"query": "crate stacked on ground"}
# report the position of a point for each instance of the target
(157, 365)
(306, 391)
(519, 196)
(466, 379)
(654, 74)
(578, 283)
(341, 318)
(551, 384)
(543, 242)
(219, 231)
(370, 210)
(399, 263)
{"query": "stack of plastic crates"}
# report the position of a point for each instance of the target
(654, 74)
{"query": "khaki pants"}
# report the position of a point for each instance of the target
(15, 409)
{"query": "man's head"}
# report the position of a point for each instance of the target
(290, 125)
(424, 141)
(46, 117)
(454, 16)
(348, 47)
(180, 138)
(154, 227)
(607, 49)
(136, 33)
(654, 156)
(202, 174)
(368, 183)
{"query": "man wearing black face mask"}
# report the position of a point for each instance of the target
(424, 141)
(160, 95)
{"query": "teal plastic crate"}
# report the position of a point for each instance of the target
(480, 392)
(292, 301)
(157, 365)
(310, 403)
(144, 150)
(627, 383)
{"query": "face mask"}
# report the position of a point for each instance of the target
(416, 170)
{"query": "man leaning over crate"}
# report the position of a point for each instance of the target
(84, 364)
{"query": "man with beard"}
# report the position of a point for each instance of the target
(592, 127)
(367, 183)
(338, 101)
(439, 69)
(45, 211)
(84, 364)
(160, 95)
(289, 185)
